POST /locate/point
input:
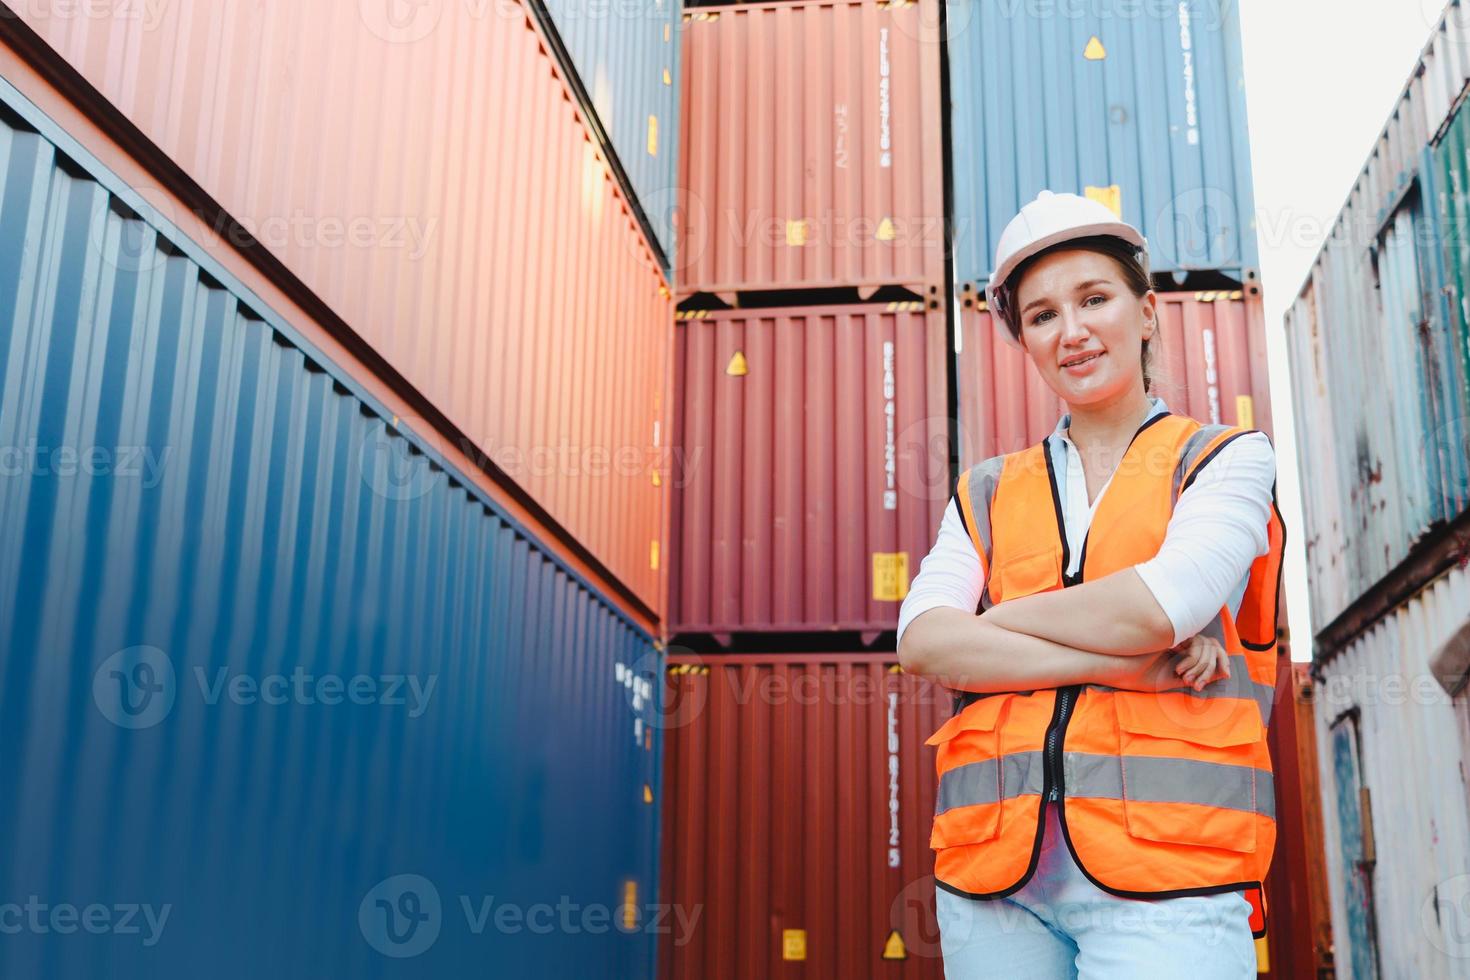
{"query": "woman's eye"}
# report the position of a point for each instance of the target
(1042, 317)
(1098, 298)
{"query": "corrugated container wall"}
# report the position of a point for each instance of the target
(1397, 826)
(627, 57)
(269, 659)
(812, 149)
(1321, 461)
(1210, 365)
(1141, 105)
(379, 159)
(1445, 64)
(1379, 361)
(798, 817)
(811, 465)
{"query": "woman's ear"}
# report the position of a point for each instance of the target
(1150, 315)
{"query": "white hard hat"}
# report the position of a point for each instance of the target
(1047, 221)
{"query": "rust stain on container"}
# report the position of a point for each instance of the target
(808, 487)
(386, 162)
(799, 796)
(811, 149)
(1211, 356)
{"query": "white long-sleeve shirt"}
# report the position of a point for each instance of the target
(1217, 530)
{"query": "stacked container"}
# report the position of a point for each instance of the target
(1380, 362)
(812, 463)
(336, 342)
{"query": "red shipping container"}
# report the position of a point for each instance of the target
(1211, 365)
(429, 178)
(811, 148)
(811, 465)
(798, 801)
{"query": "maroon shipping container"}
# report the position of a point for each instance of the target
(1211, 365)
(811, 465)
(811, 147)
(799, 796)
(426, 174)
(1299, 938)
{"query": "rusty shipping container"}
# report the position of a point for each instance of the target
(1209, 365)
(811, 465)
(812, 152)
(1379, 364)
(1394, 751)
(505, 278)
(798, 804)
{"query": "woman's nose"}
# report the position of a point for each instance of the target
(1074, 330)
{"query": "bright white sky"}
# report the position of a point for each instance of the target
(1321, 78)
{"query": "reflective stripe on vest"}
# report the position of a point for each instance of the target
(1166, 793)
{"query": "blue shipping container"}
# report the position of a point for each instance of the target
(626, 55)
(282, 694)
(1140, 103)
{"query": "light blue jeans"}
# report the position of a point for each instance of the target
(1060, 925)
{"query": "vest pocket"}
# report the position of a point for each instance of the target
(1028, 574)
(1189, 780)
(968, 807)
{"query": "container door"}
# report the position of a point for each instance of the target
(1355, 823)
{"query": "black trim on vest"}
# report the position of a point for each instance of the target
(1056, 502)
(1211, 455)
(1082, 558)
(959, 509)
(1280, 571)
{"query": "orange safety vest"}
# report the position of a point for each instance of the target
(1159, 794)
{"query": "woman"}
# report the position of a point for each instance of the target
(1105, 802)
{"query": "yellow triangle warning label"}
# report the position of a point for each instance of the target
(647, 793)
(885, 231)
(737, 368)
(893, 948)
(1094, 50)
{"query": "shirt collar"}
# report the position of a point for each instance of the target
(1156, 407)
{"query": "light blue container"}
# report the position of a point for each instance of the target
(197, 507)
(1142, 100)
(626, 55)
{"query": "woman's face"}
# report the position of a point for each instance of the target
(1083, 327)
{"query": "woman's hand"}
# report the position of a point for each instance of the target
(1194, 663)
(1201, 660)
(1149, 672)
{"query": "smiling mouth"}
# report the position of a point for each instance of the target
(1084, 360)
